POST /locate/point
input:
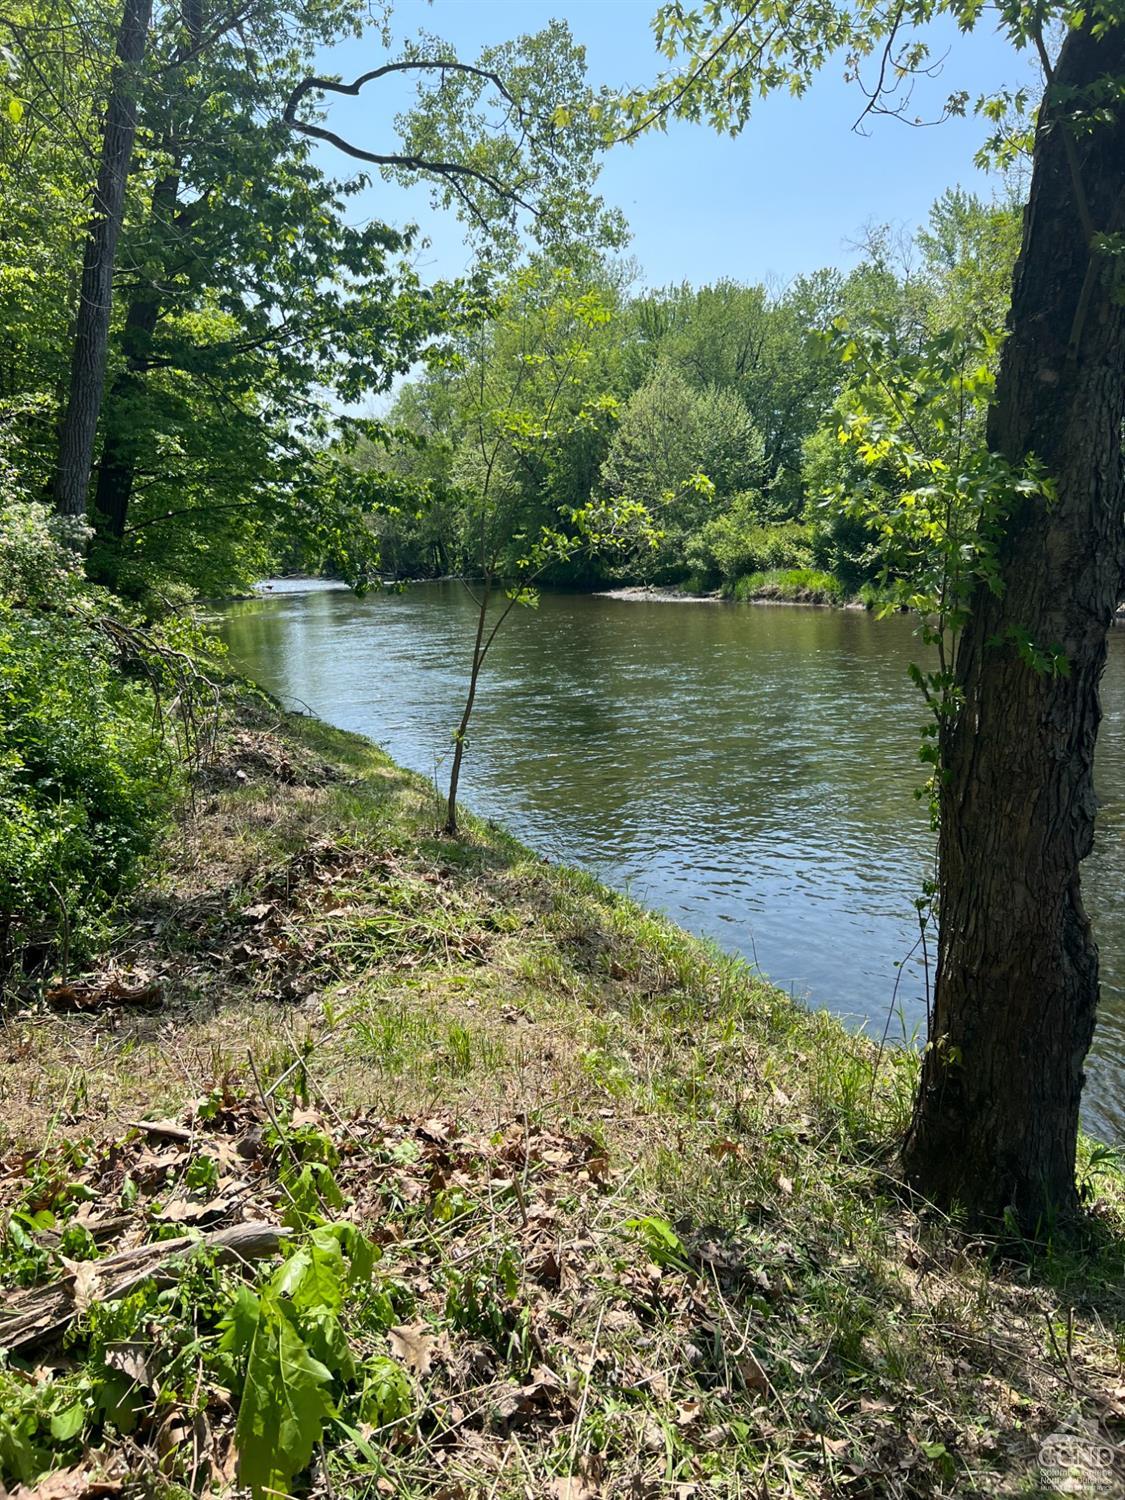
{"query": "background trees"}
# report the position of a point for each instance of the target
(728, 405)
(231, 312)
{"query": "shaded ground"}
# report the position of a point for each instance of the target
(639, 1227)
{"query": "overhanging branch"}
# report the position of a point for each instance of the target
(454, 172)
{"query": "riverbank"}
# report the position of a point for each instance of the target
(636, 1213)
(795, 586)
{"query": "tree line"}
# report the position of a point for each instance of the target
(718, 409)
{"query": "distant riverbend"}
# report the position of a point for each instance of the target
(749, 771)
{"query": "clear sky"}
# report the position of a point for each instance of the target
(791, 193)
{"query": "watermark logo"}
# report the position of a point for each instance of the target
(1080, 1460)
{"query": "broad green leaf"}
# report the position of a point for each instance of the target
(284, 1405)
(68, 1423)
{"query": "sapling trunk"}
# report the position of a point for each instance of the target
(479, 649)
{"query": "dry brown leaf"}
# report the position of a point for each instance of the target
(785, 1185)
(132, 1360)
(414, 1346)
(186, 1211)
(726, 1147)
(573, 1487)
(753, 1376)
(688, 1413)
(87, 1281)
(652, 1436)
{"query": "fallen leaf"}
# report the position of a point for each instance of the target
(132, 1360)
(688, 1413)
(573, 1487)
(785, 1185)
(187, 1211)
(414, 1346)
(719, 1149)
(753, 1376)
(87, 1281)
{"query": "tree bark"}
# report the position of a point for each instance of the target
(117, 468)
(91, 339)
(996, 1119)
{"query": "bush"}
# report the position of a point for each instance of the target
(739, 541)
(84, 769)
(847, 547)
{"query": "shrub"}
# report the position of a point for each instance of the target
(847, 547)
(84, 769)
(740, 541)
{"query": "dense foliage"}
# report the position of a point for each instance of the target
(85, 766)
(724, 411)
(252, 311)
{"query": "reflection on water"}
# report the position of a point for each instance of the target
(749, 770)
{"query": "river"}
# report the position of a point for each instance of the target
(749, 770)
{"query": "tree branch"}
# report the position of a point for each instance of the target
(450, 170)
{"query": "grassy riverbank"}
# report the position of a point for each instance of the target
(775, 586)
(638, 1221)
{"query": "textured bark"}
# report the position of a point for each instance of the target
(41, 1315)
(996, 1119)
(91, 337)
(117, 468)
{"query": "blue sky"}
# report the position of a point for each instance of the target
(791, 193)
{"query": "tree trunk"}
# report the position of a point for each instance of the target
(117, 468)
(479, 650)
(91, 339)
(996, 1119)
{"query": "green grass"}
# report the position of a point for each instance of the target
(645, 1207)
(791, 585)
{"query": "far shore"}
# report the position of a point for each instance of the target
(638, 594)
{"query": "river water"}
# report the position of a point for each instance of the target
(749, 770)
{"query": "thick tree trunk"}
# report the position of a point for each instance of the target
(91, 340)
(996, 1119)
(117, 468)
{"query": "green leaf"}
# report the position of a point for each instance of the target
(68, 1424)
(284, 1404)
(15, 111)
(240, 1322)
(324, 1334)
(313, 1276)
(387, 1396)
